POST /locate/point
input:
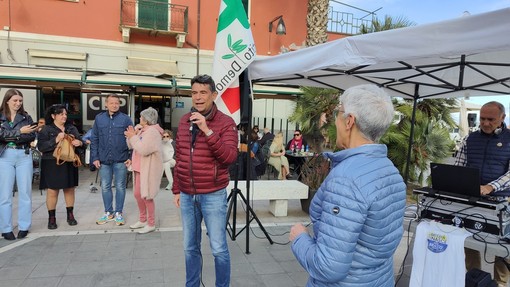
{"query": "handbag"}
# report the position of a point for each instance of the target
(64, 152)
(256, 161)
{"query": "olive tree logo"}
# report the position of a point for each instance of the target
(235, 48)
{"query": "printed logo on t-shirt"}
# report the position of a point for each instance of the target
(436, 242)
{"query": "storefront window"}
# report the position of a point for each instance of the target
(72, 101)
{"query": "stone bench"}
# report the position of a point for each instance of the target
(278, 192)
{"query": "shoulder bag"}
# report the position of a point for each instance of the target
(64, 152)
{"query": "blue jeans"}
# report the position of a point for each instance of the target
(212, 207)
(15, 164)
(107, 173)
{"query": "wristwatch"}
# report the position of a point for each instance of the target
(210, 132)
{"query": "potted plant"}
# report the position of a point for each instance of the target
(313, 173)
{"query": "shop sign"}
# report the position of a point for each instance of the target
(96, 103)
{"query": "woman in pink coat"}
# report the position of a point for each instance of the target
(147, 165)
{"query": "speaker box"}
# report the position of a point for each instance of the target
(478, 278)
(471, 119)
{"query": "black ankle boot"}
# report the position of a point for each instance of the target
(70, 216)
(52, 221)
(22, 234)
(9, 235)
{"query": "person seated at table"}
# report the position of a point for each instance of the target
(295, 145)
(256, 130)
(258, 166)
(277, 158)
(267, 136)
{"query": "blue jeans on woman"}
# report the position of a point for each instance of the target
(212, 208)
(15, 164)
(107, 172)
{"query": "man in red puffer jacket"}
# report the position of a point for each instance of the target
(206, 146)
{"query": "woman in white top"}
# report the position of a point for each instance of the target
(168, 156)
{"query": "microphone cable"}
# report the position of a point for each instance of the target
(411, 215)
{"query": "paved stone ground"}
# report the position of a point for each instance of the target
(109, 255)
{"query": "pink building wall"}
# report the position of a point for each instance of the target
(101, 19)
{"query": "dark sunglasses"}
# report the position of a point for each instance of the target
(296, 135)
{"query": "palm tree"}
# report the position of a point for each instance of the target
(389, 23)
(310, 107)
(438, 109)
(315, 101)
(317, 22)
(431, 141)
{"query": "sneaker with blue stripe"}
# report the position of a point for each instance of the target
(119, 219)
(105, 218)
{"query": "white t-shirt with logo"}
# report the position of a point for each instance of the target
(438, 256)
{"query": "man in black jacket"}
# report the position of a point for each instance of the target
(266, 137)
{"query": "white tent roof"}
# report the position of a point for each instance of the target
(461, 57)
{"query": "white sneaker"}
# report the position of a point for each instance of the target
(146, 229)
(137, 225)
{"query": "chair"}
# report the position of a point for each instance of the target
(36, 163)
(271, 170)
(267, 154)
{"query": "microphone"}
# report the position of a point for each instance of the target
(193, 128)
(192, 125)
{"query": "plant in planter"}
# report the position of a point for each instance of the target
(313, 173)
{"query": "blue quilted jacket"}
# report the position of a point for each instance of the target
(357, 217)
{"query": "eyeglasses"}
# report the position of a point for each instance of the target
(336, 112)
(296, 135)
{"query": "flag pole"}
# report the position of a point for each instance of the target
(246, 117)
(246, 95)
(234, 50)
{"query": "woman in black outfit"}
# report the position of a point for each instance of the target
(55, 177)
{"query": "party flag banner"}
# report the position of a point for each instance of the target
(234, 50)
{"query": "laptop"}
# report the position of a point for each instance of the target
(454, 179)
(456, 182)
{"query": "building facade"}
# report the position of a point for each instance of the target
(75, 52)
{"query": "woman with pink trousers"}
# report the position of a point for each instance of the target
(147, 165)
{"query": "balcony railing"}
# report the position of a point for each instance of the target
(154, 15)
(346, 23)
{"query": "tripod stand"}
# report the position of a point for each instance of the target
(232, 207)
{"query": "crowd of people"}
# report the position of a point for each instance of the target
(357, 213)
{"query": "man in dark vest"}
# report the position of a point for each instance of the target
(489, 150)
